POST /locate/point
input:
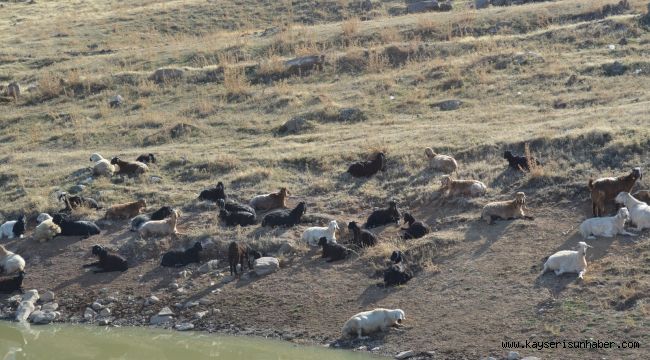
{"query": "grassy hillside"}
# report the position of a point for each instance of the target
(542, 74)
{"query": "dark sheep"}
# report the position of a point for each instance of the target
(237, 252)
(397, 274)
(75, 228)
(130, 168)
(160, 214)
(333, 251)
(241, 218)
(146, 158)
(182, 258)
(285, 217)
(213, 194)
(234, 206)
(416, 229)
(11, 284)
(77, 201)
(519, 163)
(107, 262)
(19, 226)
(605, 190)
(384, 216)
(361, 237)
(368, 168)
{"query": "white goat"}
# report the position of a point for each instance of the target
(606, 226)
(160, 227)
(372, 321)
(313, 234)
(568, 261)
(46, 230)
(639, 211)
(102, 166)
(9, 262)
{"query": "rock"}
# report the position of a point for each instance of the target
(200, 314)
(31, 296)
(205, 301)
(184, 326)
(405, 355)
(166, 311)
(209, 266)
(43, 317)
(51, 306)
(174, 286)
(351, 115)
(295, 125)
(110, 299)
(266, 265)
(97, 306)
(481, 4)
(155, 179)
(15, 300)
(116, 101)
(422, 6)
(531, 358)
(161, 319)
(166, 74)
(24, 310)
(151, 300)
(104, 322)
(513, 355)
(286, 248)
(89, 314)
(191, 304)
(184, 274)
(106, 312)
(47, 297)
(449, 105)
(77, 189)
(614, 69)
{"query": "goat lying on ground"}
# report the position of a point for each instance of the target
(606, 226)
(519, 163)
(368, 168)
(107, 262)
(507, 210)
(416, 229)
(384, 216)
(361, 237)
(333, 251)
(368, 322)
(182, 258)
(285, 217)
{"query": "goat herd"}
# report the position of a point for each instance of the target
(162, 222)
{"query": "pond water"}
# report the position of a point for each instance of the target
(68, 342)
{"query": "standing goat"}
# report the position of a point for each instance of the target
(604, 190)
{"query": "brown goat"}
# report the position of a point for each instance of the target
(604, 190)
(131, 168)
(270, 201)
(237, 252)
(127, 210)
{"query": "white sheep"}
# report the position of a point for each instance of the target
(453, 187)
(9, 262)
(568, 261)
(372, 321)
(606, 226)
(46, 230)
(159, 227)
(102, 166)
(444, 163)
(313, 234)
(639, 211)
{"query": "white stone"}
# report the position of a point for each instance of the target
(31, 296)
(200, 314)
(51, 306)
(97, 306)
(209, 266)
(405, 355)
(89, 314)
(151, 300)
(266, 265)
(43, 317)
(184, 326)
(47, 297)
(513, 355)
(105, 312)
(24, 310)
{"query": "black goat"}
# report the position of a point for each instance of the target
(396, 257)
(19, 226)
(361, 237)
(333, 251)
(237, 253)
(182, 258)
(519, 163)
(241, 218)
(368, 168)
(416, 229)
(11, 284)
(77, 201)
(75, 228)
(107, 262)
(234, 206)
(214, 194)
(160, 214)
(146, 158)
(285, 217)
(397, 274)
(384, 216)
